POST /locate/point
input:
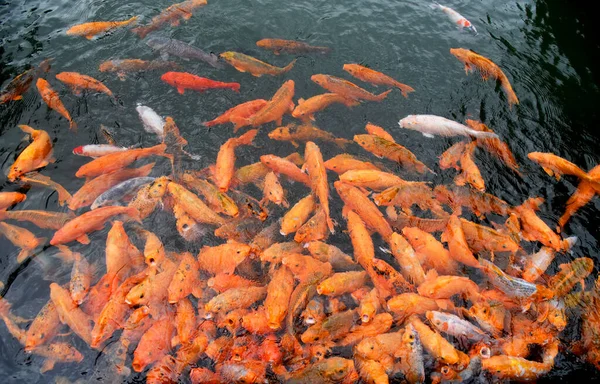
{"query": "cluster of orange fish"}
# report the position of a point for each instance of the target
(275, 301)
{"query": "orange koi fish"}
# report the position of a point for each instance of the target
(193, 206)
(36, 155)
(239, 114)
(557, 166)
(376, 78)
(342, 282)
(408, 194)
(19, 85)
(280, 104)
(78, 82)
(451, 157)
(233, 299)
(383, 148)
(365, 208)
(78, 228)
(297, 133)
(318, 178)
(444, 287)
(537, 263)
(276, 252)
(70, 314)
(535, 229)
(479, 237)
(495, 146)
(343, 163)
(216, 199)
(346, 89)
(81, 279)
(408, 304)
(314, 229)
(50, 97)
(332, 255)
(185, 278)
(273, 191)
(255, 67)
(457, 244)
(330, 370)
(279, 291)
(297, 215)
(21, 238)
(173, 14)
(378, 131)
(90, 30)
(306, 109)
(225, 164)
(478, 202)
(154, 344)
(285, 167)
(8, 199)
(290, 46)
(430, 251)
(438, 346)
(43, 328)
(407, 258)
(375, 180)
(369, 306)
(114, 161)
(35, 178)
(487, 68)
(569, 275)
(584, 194)
(97, 186)
(222, 258)
(470, 172)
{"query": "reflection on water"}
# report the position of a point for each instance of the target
(546, 48)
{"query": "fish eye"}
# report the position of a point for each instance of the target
(372, 347)
(340, 371)
(185, 226)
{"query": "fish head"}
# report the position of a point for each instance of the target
(169, 77)
(408, 122)
(107, 66)
(351, 68)
(319, 79)
(460, 53)
(228, 56)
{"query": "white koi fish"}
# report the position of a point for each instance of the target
(455, 17)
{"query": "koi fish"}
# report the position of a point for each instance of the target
(451, 157)
(36, 155)
(376, 78)
(583, 195)
(374, 180)
(92, 29)
(430, 250)
(306, 109)
(97, 150)
(346, 89)
(408, 194)
(183, 50)
(51, 98)
(534, 228)
(223, 258)
(70, 314)
(115, 161)
(81, 279)
(455, 326)
(469, 171)
(290, 46)
(455, 17)
(488, 69)
(121, 190)
(173, 14)
(239, 114)
(183, 81)
(376, 130)
(78, 228)
(513, 287)
(381, 147)
(22, 238)
(457, 243)
(343, 163)
(19, 85)
(193, 206)
(478, 202)
(437, 346)
(296, 133)
(43, 328)
(225, 164)
(297, 215)
(8, 199)
(496, 147)
(326, 253)
(431, 125)
(557, 166)
(255, 67)
(570, 274)
(538, 262)
(342, 282)
(280, 104)
(318, 178)
(124, 66)
(78, 82)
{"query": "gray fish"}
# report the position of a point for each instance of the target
(178, 48)
(120, 190)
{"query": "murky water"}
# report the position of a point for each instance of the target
(546, 49)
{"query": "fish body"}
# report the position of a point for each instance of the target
(488, 69)
(15, 89)
(290, 46)
(301, 133)
(255, 67)
(381, 147)
(314, 229)
(92, 29)
(216, 199)
(327, 371)
(455, 17)
(235, 298)
(51, 98)
(438, 346)
(193, 206)
(512, 286)
(94, 188)
(183, 50)
(81, 279)
(569, 275)
(279, 292)
(225, 163)
(223, 258)
(444, 287)
(43, 328)
(78, 82)
(430, 250)
(346, 88)
(318, 178)
(273, 191)
(97, 150)
(480, 237)
(496, 147)
(307, 108)
(70, 314)
(173, 15)
(374, 180)
(78, 228)
(469, 171)
(431, 125)
(8, 199)
(21, 238)
(478, 202)
(114, 161)
(238, 114)
(342, 282)
(343, 163)
(557, 166)
(457, 243)
(297, 215)
(182, 81)
(154, 344)
(376, 78)
(280, 104)
(36, 155)
(533, 228)
(407, 258)
(152, 121)
(123, 66)
(119, 191)
(376, 130)
(184, 280)
(285, 167)
(451, 157)
(455, 326)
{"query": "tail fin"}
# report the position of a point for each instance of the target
(434, 5)
(510, 94)
(235, 87)
(209, 123)
(288, 67)
(343, 143)
(484, 135)
(141, 31)
(133, 19)
(405, 89)
(134, 213)
(383, 95)
(72, 126)
(27, 129)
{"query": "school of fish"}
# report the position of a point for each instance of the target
(436, 283)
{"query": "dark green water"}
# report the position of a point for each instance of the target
(546, 48)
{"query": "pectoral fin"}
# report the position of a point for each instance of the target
(84, 239)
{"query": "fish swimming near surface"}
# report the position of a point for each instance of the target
(97, 150)
(183, 50)
(239, 114)
(455, 17)
(183, 81)
(51, 98)
(376, 78)
(124, 66)
(306, 109)
(37, 155)
(431, 125)
(346, 88)
(15, 89)
(487, 68)
(280, 104)
(173, 15)
(94, 28)
(153, 122)
(290, 46)
(78, 82)
(255, 67)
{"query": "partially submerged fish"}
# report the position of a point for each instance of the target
(377, 78)
(183, 50)
(290, 46)
(92, 29)
(455, 17)
(431, 125)
(172, 15)
(255, 67)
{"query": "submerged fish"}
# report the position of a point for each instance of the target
(123, 66)
(15, 89)
(183, 50)
(182, 81)
(376, 78)
(255, 67)
(120, 190)
(90, 30)
(78, 82)
(431, 125)
(347, 89)
(173, 15)
(455, 17)
(37, 155)
(51, 98)
(290, 46)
